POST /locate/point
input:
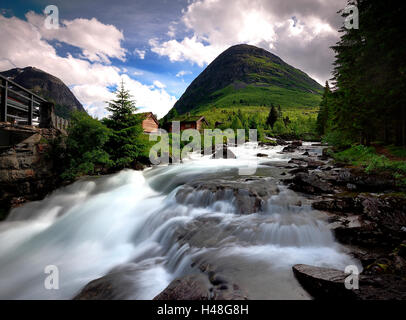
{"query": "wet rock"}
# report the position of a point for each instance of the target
(289, 148)
(120, 283)
(309, 183)
(199, 287)
(248, 195)
(273, 142)
(262, 155)
(323, 283)
(99, 289)
(326, 283)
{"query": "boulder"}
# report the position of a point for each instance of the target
(201, 287)
(262, 155)
(327, 283)
(310, 183)
(249, 195)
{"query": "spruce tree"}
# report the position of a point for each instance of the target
(127, 143)
(272, 117)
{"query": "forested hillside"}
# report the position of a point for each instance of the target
(367, 101)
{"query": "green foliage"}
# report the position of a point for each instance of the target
(397, 151)
(272, 117)
(84, 146)
(369, 98)
(249, 76)
(127, 141)
(323, 116)
(367, 157)
(252, 95)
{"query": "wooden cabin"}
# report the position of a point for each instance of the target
(192, 122)
(150, 123)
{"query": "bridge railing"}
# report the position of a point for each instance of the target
(20, 105)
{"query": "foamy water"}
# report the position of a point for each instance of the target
(132, 221)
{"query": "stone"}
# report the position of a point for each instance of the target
(199, 287)
(327, 283)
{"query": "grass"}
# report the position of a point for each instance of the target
(397, 151)
(260, 94)
(367, 158)
(303, 119)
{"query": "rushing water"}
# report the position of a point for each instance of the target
(133, 221)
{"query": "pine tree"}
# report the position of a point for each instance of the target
(272, 117)
(323, 116)
(127, 142)
(123, 106)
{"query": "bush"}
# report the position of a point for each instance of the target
(84, 146)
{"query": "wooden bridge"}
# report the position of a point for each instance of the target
(19, 105)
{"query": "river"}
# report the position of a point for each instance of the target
(136, 221)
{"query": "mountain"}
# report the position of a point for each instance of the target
(249, 76)
(48, 87)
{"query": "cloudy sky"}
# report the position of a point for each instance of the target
(159, 46)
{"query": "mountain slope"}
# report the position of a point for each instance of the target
(47, 86)
(247, 75)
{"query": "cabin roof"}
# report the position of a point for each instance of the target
(147, 114)
(190, 119)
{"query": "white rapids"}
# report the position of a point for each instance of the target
(131, 220)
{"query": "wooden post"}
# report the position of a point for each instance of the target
(4, 93)
(46, 115)
(30, 109)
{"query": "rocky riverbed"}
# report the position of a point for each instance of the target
(367, 212)
(200, 230)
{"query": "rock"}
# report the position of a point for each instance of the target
(296, 143)
(289, 148)
(27, 171)
(100, 289)
(199, 287)
(323, 283)
(262, 155)
(249, 195)
(308, 183)
(381, 218)
(326, 283)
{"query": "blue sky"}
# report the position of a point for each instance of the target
(159, 46)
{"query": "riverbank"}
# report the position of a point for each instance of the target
(367, 213)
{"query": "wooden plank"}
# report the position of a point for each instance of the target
(3, 111)
(22, 88)
(30, 110)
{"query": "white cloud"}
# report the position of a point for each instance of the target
(215, 25)
(138, 73)
(98, 41)
(182, 73)
(172, 31)
(155, 100)
(140, 53)
(23, 44)
(159, 84)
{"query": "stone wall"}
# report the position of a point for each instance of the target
(26, 169)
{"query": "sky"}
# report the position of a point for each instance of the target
(158, 47)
